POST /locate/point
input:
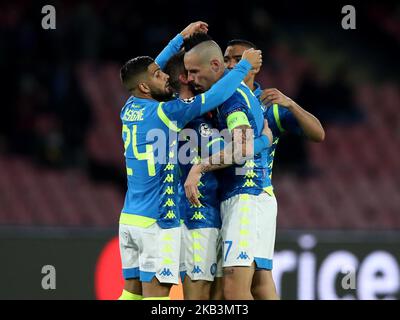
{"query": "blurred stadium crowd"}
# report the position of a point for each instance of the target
(61, 158)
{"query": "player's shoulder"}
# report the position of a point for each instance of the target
(283, 112)
(243, 95)
(130, 108)
(239, 104)
(233, 102)
(127, 104)
(134, 103)
(274, 108)
(276, 112)
(240, 92)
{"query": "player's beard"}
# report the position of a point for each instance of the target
(194, 90)
(162, 95)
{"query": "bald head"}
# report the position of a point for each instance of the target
(207, 51)
(205, 64)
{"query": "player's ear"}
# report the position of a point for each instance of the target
(143, 87)
(216, 65)
(183, 79)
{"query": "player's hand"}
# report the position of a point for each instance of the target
(267, 131)
(191, 185)
(254, 57)
(270, 96)
(194, 27)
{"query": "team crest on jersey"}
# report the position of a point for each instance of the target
(188, 100)
(205, 130)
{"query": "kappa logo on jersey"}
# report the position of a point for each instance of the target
(196, 269)
(205, 130)
(189, 100)
(198, 216)
(243, 256)
(166, 272)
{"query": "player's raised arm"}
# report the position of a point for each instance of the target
(213, 96)
(182, 112)
(308, 123)
(175, 44)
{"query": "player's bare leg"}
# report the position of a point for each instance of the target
(196, 289)
(133, 286)
(156, 290)
(237, 282)
(263, 286)
(132, 290)
(217, 289)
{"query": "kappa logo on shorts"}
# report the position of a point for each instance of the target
(197, 269)
(243, 256)
(166, 272)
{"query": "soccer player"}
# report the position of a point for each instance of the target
(149, 223)
(283, 115)
(286, 116)
(248, 208)
(201, 227)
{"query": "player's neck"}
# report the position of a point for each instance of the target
(141, 95)
(185, 92)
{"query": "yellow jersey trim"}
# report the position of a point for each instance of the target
(136, 220)
(277, 118)
(165, 119)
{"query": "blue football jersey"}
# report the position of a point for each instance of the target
(280, 120)
(252, 176)
(206, 138)
(152, 168)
